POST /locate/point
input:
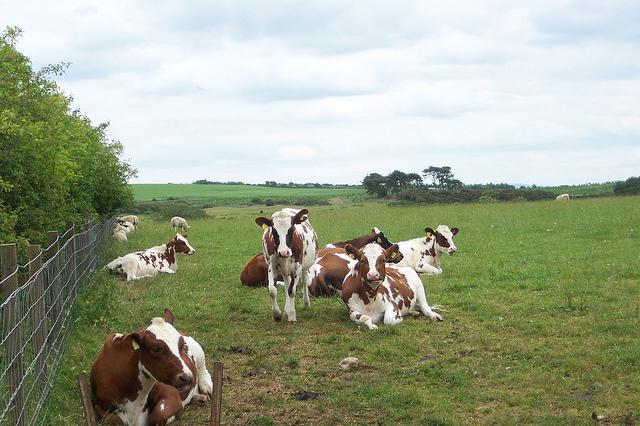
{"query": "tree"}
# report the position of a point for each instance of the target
(375, 184)
(414, 179)
(397, 181)
(439, 176)
(628, 187)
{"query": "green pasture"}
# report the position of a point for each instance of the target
(228, 193)
(540, 306)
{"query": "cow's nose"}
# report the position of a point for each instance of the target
(373, 275)
(283, 253)
(452, 250)
(185, 379)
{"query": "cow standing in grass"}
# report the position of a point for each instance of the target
(290, 246)
(375, 292)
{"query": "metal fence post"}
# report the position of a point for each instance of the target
(10, 319)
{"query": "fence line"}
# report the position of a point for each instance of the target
(35, 315)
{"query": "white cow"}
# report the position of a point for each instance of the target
(179, 223)
(423, 254)
(290, 245)
(152, 261)
(562, 197)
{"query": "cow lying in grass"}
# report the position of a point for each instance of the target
(423, 253)
(146, 378)
(159, 259)
(374, 291)
(333, 264)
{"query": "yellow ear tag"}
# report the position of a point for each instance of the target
(352, 256)
(428, 234)
(265, 226)
(393, 255)
(379, 240)
(135, 345)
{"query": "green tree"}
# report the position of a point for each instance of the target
(375, 184)
(414, 179)
(397, 181)
(628, 187)
(440, 177)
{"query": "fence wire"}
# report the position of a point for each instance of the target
(35, 321)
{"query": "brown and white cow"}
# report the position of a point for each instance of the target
(423, 254)
(159, 259)
(333, 264)
(146, 378)
(289, 245)
(374, 291)
(255, 272)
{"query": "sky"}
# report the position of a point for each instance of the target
(536, 92)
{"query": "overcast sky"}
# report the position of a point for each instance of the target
(544, 92)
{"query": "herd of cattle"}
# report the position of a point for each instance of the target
(147, 377)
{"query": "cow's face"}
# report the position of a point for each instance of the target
(370, 261)
(182, 245)
(281, 227)
(161, 351)
(444, 238)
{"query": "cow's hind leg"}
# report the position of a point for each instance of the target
(421, 301)
(273, 293)
(305, 288)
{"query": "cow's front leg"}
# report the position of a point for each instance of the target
(360, 318)
(273, 293)
(428, 269)
(167, 270)
(290, 283)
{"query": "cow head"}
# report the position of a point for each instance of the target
(370, 262)
(181, 244)
(161, 350)
(377, 236)
(444, 238)
(281, 227)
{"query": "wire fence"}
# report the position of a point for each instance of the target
(35, 316)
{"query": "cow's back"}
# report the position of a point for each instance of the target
(255, 272)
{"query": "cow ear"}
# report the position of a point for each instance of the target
(352, 252)
(376, 231)
(454, 231)
(136, 340)
(168, 316)
(264, 222)
(392, 254)
(429, 231)
(301, 216)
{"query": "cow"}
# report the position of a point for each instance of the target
(562, 197)
(179, 223)
(374, 291)
(289, 245)
(255, 272)
(159, 259)
(147, 377)
(332, 265)
(423, 254)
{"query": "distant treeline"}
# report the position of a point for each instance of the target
(274, 184)
(55, 166)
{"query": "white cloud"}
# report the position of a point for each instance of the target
(543, 92)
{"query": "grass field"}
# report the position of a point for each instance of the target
(541, 308)
(225, 194)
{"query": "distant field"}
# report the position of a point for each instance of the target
(588, 189)
(541, 322)
(148, 192)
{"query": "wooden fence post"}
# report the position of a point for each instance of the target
(85, 396)
(216, 396)
(38, 310)
(10, 318)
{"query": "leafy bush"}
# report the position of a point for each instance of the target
(55, 166)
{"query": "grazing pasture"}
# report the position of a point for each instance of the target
(540, 306)
(229, 194)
